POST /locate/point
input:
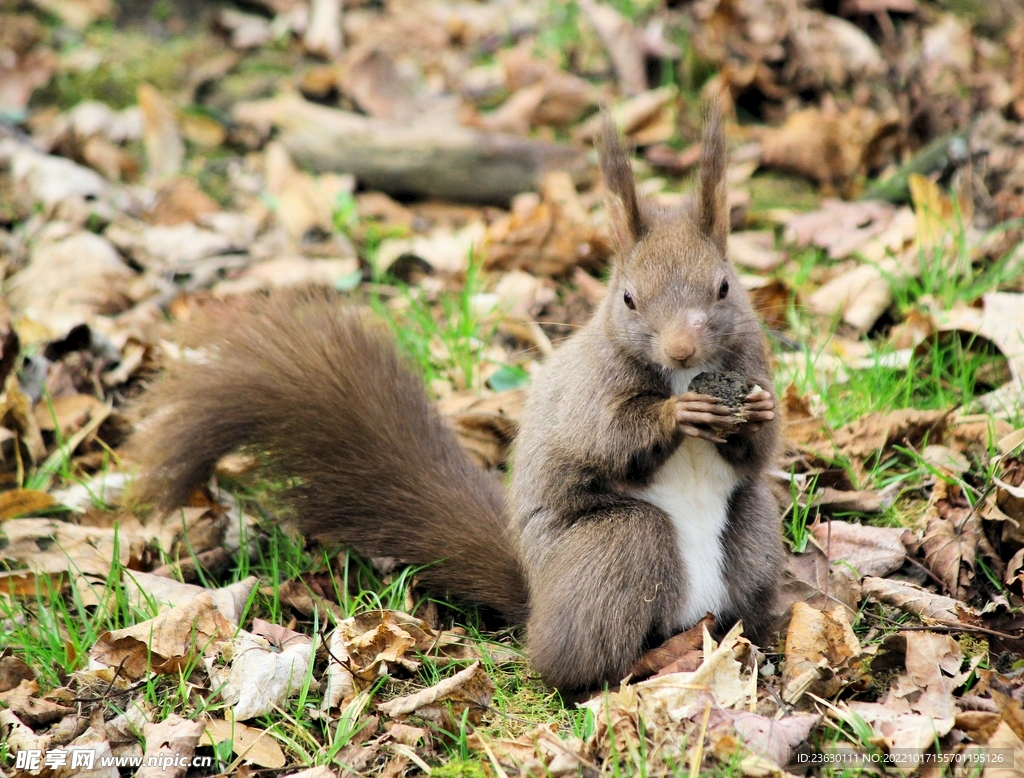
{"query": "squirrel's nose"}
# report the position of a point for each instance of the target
(680, 350)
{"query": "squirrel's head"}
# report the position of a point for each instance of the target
(673, 298)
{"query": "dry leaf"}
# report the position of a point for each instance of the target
(950, 542)
(879, 431)
(248, 743)
(21, 502)
(682, 653)
(774, 740)
(70, 279)
(809, 578)
(169, 744)
(167, 643)
(165, 151)
(873, 551)
(259, 678)
(917, 600)
(28, 705)
(820, 649)
(828, 146)
(624, 44)
(445, 703)
(146, 589)
(13, 671)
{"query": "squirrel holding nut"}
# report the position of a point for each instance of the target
(638, 502)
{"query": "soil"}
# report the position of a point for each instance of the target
(731, 388)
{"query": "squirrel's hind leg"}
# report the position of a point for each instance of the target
(608, 583)
(753, 548)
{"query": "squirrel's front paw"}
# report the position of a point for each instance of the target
(703, 416)
(759, 408)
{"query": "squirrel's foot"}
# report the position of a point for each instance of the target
(703, 416)
(759, 408)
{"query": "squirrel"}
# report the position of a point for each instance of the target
(635, 506)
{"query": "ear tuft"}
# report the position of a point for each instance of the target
(712, 211)
(623, 203)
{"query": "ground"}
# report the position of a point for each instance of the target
(158, 161)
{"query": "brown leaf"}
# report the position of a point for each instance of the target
(820, 647)
(917, 600)
(170, 742)
(470, 689)
(879, 431)
(71, 412)
(181, 200)
(250, 744)
(276, 634)
(773, 739)
(624, 44)
(13, 671)
(371, 79)
(873, 551)
(547, 238)
(26, 703)
(826, 146)
(165, 151)
(166, 643)
(680, 653)
(950, 541)
(810, 579)
(21, 502)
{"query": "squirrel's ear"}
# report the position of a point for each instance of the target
(622, 200)
(712, 210)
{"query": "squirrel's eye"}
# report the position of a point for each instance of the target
(627, 298)
(723, 290)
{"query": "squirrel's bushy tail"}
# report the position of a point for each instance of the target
(321, 394)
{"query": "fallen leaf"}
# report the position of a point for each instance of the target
(170, 745)
(809, 578)
(25, 701)
(70, 279)
(372, 80)
(167, 643)
(828, 146)
(755, 250)
(624, 44)
(248, 743)
(680, 653)
(930, 607)
(774, 739)
(165, 151)
(445, 703)
(950, 542)
(13, 671)
(21, 502)
(259, 678)
(877, 432)
(820, 650)
(871, 551)
(145, 590)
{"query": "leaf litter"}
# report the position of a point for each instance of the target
(249, 160)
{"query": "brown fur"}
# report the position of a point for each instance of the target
(603, 566)
(320, 391)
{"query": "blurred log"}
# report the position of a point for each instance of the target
(423, 158)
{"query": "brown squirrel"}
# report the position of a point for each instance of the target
(635, 506)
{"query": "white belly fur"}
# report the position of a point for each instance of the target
(693, 487)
